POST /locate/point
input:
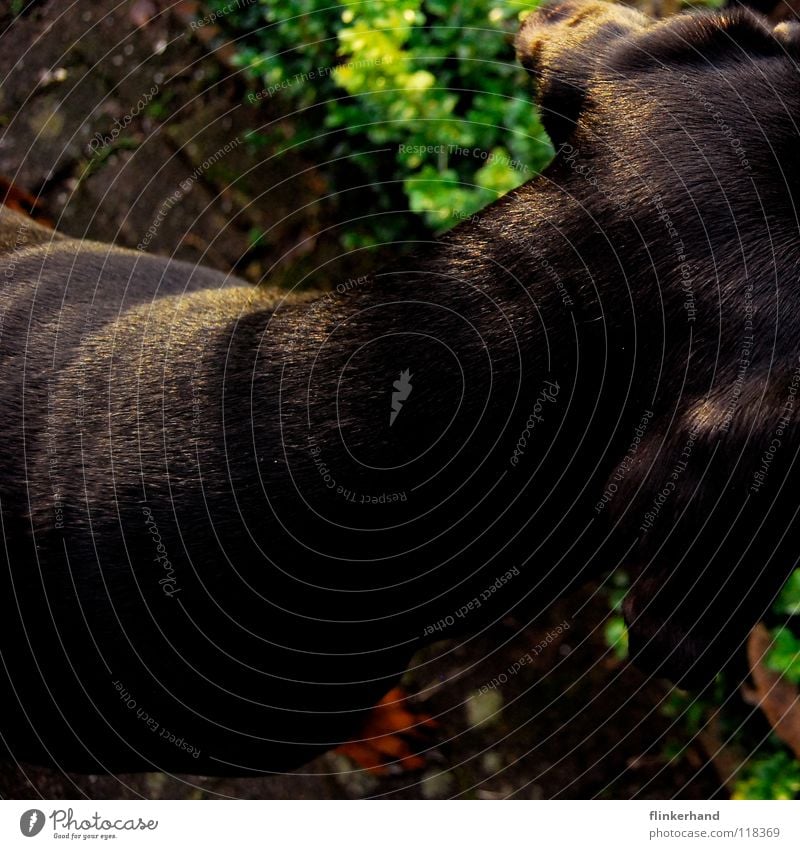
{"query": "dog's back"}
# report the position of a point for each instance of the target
(109, 376)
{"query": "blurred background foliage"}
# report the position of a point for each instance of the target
(419, 116)
(767, 769)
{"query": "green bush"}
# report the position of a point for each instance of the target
(770, 772)
(422, 98)
(419, 106)
(769, 776)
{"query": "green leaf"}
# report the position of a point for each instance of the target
(775, 776)
(616, 635)
(789, 599)
(784, 656)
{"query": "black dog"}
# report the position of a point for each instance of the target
(231, 517)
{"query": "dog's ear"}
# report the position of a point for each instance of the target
(672, 635)
(561, 45)
(689, 624)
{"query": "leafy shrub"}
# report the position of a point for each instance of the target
(772, 776)
(770, 772)
(422, 97)
(419, 105)
(615, 632)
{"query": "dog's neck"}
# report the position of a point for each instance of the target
(415, 424)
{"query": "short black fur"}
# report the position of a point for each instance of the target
(599, 362)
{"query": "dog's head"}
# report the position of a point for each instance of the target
(679, 140)
(599, 64)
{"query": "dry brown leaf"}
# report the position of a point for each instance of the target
(778, 698)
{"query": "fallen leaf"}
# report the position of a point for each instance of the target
(778, 698)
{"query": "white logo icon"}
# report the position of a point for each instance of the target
(402, 389)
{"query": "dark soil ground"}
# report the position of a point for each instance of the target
(575, 723)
